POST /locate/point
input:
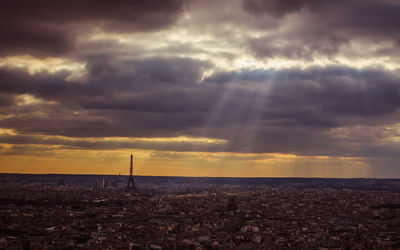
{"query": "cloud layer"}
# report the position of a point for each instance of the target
(291, 111)
(51, 28)
(306, 78)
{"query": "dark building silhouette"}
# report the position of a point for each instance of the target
(131, 182)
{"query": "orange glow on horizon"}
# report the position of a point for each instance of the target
(54, 160)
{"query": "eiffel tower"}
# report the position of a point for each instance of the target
(131, 182)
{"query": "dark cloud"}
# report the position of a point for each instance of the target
(286, 111)
(275, 7)
(143, 93)
(110, 83)
(6, 100)
(296, 46)
(50, 28)
(23, 150)
(268, 28)
(337, 90)
(322, 27)
(119, 143)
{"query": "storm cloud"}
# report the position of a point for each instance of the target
(280, 111)
(323, 27)
(51, 28)
(302, 77)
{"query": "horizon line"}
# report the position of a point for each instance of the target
(182, 176)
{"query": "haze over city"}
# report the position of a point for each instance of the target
(245, 88)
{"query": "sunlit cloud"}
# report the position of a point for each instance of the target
(27, 99)
(35, 65)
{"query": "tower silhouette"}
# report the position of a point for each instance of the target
(131, 182)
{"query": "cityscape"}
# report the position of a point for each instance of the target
(97, 212)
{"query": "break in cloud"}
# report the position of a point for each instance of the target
(297, 78)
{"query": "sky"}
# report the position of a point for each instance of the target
(250, 88)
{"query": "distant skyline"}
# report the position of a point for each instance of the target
(252, 88)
